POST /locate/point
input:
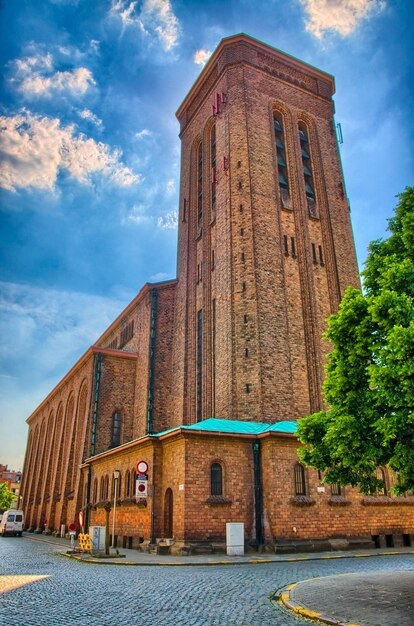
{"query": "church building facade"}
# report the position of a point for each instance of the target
(204, 377)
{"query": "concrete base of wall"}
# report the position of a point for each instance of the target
(323, 544)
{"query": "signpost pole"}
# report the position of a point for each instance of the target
(116, 478)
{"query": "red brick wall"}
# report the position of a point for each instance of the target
(324, 516)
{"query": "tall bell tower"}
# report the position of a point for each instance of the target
(265, 246)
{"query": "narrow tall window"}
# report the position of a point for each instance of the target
(116, 429)
(281, 153)
(95, 491)
(300, 482)
(321, 261)
(133, 481)
(285, 245)
(307, 169)
(336, 489)
(213, 152)
(127, 484)
(200, 185)
(199, 364)
(216, 479)
(315, 260)
(213, 355)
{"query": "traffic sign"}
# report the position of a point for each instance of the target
(141, 488)
(72, 527)
(142, 467)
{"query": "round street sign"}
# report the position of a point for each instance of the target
(72, 527)
(142, 467)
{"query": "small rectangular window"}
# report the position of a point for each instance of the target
(321, 256)
(286, 245)
(248, 387)
(293, 246)
(315, 260)
(212, 260)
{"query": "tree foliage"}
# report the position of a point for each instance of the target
(6, 497)
(369, 385)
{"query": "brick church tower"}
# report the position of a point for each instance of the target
(265, 247)
(265, 252)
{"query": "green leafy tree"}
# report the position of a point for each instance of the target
(6, 497)
(369, 385)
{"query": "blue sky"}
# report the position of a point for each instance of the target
(90, 151)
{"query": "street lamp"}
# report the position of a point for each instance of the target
(116, 475)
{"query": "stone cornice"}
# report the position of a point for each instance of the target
(253, 52)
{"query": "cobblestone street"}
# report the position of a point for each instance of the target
(39, 587)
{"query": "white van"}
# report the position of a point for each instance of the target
(12, 523)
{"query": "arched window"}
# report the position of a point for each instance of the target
(281, 153)
(102, 488)
(106, 488)
(200, 185)
(95, 491)
(307, 168)
(213, 152)
(300, 482)
(116, 429)
(127, 484)
(381, 475)
(118, 487)
(133, 480)
(216, 479)
(336, 489)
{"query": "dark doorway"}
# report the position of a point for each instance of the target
(168, 514)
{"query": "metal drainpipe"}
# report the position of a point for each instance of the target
(154, 300)
(88, 499)
(97, 385)
(258, 495)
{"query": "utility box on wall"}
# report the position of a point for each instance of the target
(235, 538)
(97, 535)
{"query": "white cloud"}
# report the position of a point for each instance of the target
(35, 76)
(202, 56)
(36, 149)
(86, 114)
(140, 214)
(143, 133)
(78, 82)
(154, 17)
(170, 186)
(168, 221)
(160, 276)
(341, 16)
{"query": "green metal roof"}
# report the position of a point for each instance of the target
(236, 427)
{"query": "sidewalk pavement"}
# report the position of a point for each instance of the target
(136, 557)
(382, 598)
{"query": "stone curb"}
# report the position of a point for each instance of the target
(227, 563)
(283, 598)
